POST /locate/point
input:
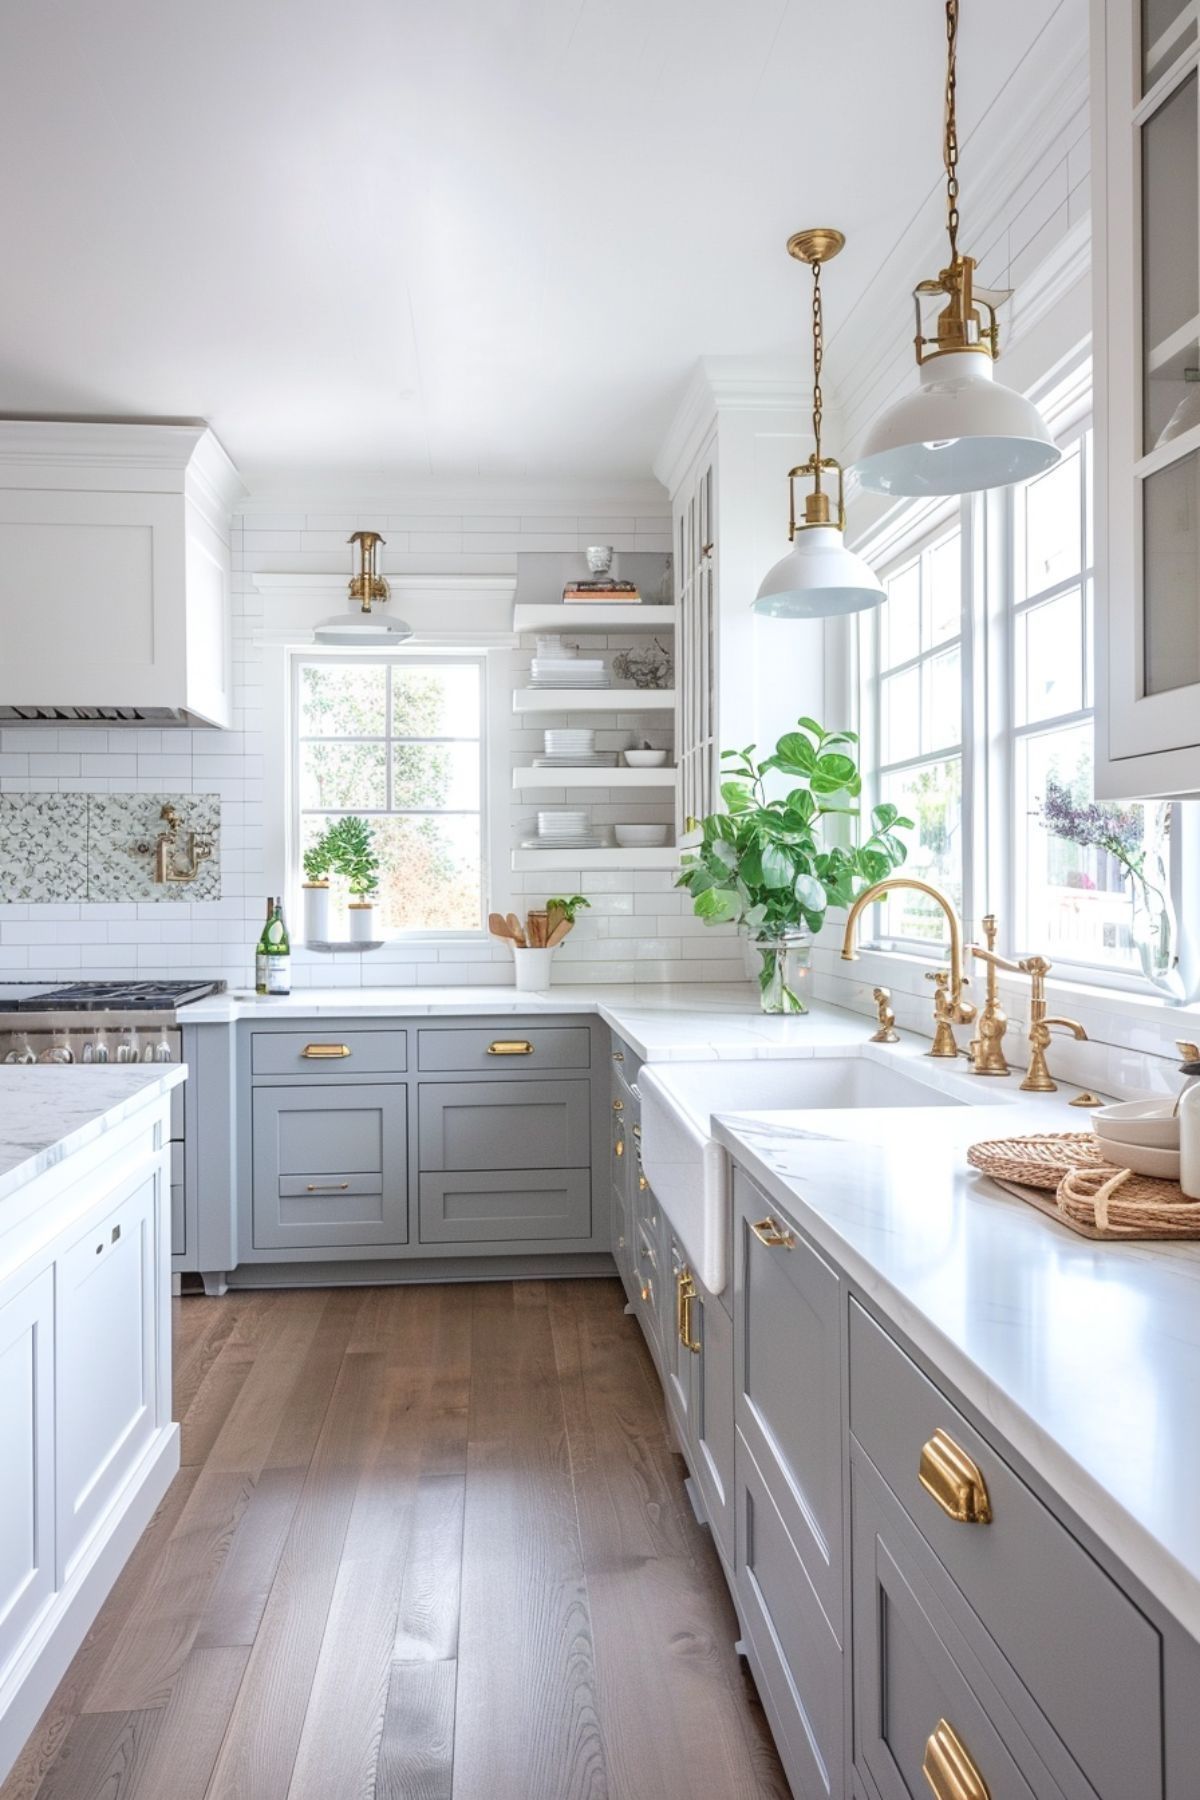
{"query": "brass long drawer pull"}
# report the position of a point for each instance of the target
(327, 1187)
(954, 1480)
(948, 1767)
(314, 1052)
(510, 1047)
(685, 1293)
(773, 1235)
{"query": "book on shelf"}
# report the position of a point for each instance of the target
(596, 593)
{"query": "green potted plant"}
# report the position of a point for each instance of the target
(763, 863)
(352, 856)
(318, 861)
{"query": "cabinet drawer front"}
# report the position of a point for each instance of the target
(509, 1050)
(106, 1355)
(481, 1208)
(907, 1680)
(330, 1166)
(788, 1386)
(320, 1052)
(27, 1434)
(712, 1422)
(505, 1125)
(796, 1656)
(1084, 1651)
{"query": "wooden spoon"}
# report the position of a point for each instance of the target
(515, 932)
(498, 925)
(558, 934)
(538, 928)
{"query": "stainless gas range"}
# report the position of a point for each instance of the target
(101, 1022)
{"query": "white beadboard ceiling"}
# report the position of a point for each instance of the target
(442, 239)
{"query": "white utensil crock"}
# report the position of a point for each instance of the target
(532, 968)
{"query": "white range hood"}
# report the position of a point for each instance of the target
(115, 574)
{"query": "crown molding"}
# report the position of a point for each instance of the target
(175, 456)
(720, 384)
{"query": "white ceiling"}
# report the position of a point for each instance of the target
(449, 238)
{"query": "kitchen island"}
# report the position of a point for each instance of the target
(87, 1446)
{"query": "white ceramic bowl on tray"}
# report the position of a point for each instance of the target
(1143, 1159)
(645, 759)
(1149, 1122)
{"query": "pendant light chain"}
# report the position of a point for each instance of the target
(950, 142)
(818, 335)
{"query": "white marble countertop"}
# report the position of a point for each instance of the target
(662, 1022)
(47, 1112)
(1085, 1356)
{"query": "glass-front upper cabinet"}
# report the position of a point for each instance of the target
(1146, 134)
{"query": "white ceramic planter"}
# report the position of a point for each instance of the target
(533, 968)
(362, 921)
(316, 913)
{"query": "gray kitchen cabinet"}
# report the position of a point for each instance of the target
(792, 1651)
(471, 1206)
(352, 1054)
(330, 1165)
(505, 1125)
(678, 1357)
(488, 1048)
(712, 1428)
(787, 1382)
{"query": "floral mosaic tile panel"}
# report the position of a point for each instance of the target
(122, 832)
(43, 847)
(59, 847)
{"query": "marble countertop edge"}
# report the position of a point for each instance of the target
(49, 1113)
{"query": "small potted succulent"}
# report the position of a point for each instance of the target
(352, 855)
(318, 861)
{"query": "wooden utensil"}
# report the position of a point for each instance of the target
(537, 926)
(515, 932)
(498, 925)
(558, 934)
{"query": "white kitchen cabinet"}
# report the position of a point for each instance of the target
(115, 571)
(696, 751)
(1146, 260)
(106, 1410)
(27, 1434)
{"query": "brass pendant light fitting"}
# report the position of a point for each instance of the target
(816, 246)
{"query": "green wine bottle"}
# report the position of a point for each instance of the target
(260, 951)
(279, 953)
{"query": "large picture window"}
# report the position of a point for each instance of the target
(398, 741)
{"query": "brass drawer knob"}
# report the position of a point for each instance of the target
(954, 1480)
(317, 1052)
(948, 1767)
(618, 1105)
(510, 1047)
(637, 1132)
(773, 1235)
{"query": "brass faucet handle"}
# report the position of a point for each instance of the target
(996, 962)
(887, 1033)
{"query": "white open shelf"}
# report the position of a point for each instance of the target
(555, 616)
(1175, 353)
(609, 700)
(595, 778)
(666, 856)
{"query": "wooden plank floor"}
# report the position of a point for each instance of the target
(428, 1543)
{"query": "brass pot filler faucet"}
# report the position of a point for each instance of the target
(986, 1049)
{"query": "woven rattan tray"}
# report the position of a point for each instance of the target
(1064, 1175)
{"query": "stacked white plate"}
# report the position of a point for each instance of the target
(578, 743)
(569, 672)
(564, 759)
(565, 829)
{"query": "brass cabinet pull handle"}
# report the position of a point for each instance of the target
(637, 1132)
(510, 1047)
(618, 1105)
(314, 1052)
(774, 1236)
(619, 1056)
(955, 1482)
(948, 1767)
(646, 1291)
(619, 1147)
(685, 1293)
(328, 1187)
(643, 1184)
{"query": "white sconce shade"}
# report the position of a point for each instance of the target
(960, 432)
(818, 579)
(354, 630)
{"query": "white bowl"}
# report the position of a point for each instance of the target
(1163, 1165)
(1148, 1122)
(645, 759)
(640, 837)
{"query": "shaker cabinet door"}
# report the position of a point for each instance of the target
(330, 1166)
(27, 1574)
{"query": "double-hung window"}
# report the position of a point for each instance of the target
(975, 706)
(399, 741)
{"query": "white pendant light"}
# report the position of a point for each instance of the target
(818, 578)
(962, 431)
(362, 629)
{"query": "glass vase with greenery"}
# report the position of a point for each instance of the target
(764, 863)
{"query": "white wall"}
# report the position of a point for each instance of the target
(638, 929)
